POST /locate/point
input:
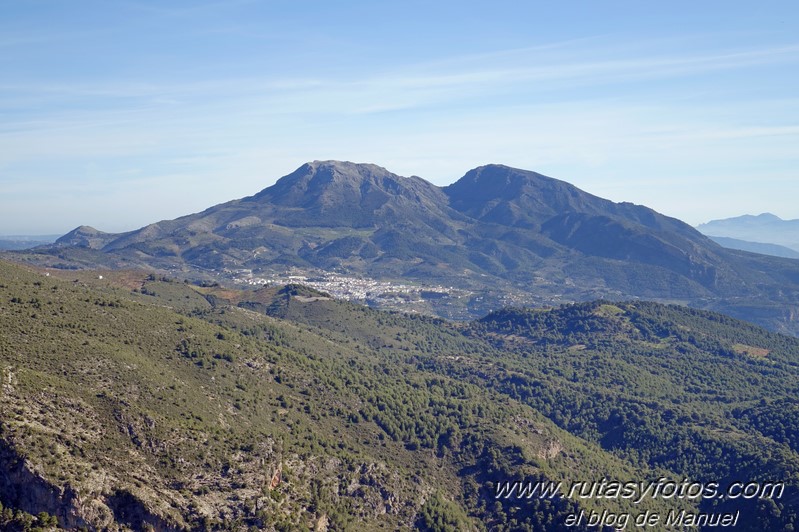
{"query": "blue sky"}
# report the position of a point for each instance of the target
(116, 114)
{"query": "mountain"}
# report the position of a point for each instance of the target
(499, 235)
(766, 228)
(135, 401)
(17, 242)
(86, 237)
(581, 222)
(512, 197)
(756, 247)
(323, 215)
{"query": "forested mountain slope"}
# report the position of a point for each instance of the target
(132, 401)
(498, 233)
(135, 399)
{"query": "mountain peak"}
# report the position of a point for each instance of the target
(346, 167)
(502, 179)
(82, 231)
(308, 184)
(765, 228)
(511, 196)
(343, 193)
(85, 236)
(745, 218)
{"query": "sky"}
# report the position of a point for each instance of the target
(117, 114)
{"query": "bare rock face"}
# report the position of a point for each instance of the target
(25, 489)
(129, 510)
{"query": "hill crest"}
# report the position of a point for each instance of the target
(502, 234)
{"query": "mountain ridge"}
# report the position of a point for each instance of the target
(765, 228)
(756, 247)
(132, 400)
(498, 232)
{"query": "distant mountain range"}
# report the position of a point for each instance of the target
(25, 241)
(764, 228)
(504, 234)
(756, 247)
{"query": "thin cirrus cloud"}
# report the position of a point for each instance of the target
(573, 109)
(391, 91)
(168, 106)
(410, 88)
(459, 74)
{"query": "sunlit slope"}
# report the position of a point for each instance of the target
(497, 232)
(129, 401)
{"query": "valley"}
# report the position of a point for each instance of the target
(132, 400)
(498, 236)
(352, 346)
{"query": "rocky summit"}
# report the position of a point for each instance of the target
(500, 235)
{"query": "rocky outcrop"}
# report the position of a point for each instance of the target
(21, 487)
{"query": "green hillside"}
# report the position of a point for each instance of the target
(138, 401)
(497, 236)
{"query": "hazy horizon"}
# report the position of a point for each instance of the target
(56, 234)
(117, 116)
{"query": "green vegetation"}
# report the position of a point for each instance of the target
(138, 400)
(503, 235)
(661, 386)
(17, 520)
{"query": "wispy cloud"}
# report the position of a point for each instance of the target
(571, 109)
(535, 70)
